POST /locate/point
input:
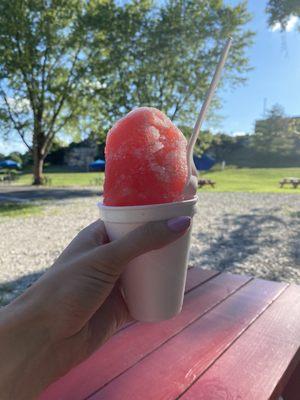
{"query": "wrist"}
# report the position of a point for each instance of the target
(25, 352)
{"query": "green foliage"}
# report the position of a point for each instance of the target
(277, 134)
(15, 156)
(204, 140)
(167, 55)
(41, 61)
(223, 146)
(275, 143)
(279, 11)
(76, 66)
(40, 49)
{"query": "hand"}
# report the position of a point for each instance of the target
(73, 308)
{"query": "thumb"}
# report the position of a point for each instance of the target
(151, 236)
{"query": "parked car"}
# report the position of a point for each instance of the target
(98, 165)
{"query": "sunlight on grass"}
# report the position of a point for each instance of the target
(264, 180)
(66, 179)
(13, 210)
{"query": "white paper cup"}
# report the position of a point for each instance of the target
(153, 284)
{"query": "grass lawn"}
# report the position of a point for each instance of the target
(66, 178)
(11, 209)
(230, 180)
(252, 180)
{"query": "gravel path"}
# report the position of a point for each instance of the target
(257, 234)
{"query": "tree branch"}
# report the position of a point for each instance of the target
(29, 88)
(41, 108)
(50, 133)
(54, 132)
(17, 126)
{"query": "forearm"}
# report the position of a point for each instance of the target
(25, 354)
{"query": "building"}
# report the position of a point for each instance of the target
(80, 155)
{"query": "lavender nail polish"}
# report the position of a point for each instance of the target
(179, 224)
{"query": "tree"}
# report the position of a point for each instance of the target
(277, 134)
(41, 62)
(76, 66)
(169, 56)
(204, 140)
(280, 11)
(15, 156)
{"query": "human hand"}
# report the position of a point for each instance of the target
(73, 308)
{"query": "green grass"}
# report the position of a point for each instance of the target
(19, 209)
(66, 178)
(252, 180)
(230, 180)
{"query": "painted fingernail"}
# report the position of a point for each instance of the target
(179, 224)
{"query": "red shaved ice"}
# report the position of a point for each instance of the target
(146, 160)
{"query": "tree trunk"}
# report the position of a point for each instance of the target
(38, 163)
(38, 148)
(38, 157)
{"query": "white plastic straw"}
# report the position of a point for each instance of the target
(205, 106)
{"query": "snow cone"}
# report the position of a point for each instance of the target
(145, 174)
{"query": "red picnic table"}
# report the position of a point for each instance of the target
(237, 338)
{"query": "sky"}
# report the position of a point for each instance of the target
(275, 57)
(275, 78)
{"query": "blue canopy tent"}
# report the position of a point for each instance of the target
(204, 163)
(10, 164)
(98, 165)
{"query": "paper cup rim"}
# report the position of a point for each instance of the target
(147, 206)
(149, 212)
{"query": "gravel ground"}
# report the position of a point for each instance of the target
(257, 234)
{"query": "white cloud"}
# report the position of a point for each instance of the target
(276, 27)
(292, 22)
(290, 25)
(238, 133)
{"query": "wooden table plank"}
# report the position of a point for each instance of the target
(268, 351)
(170, 369)
(132, 344)
(197, 276)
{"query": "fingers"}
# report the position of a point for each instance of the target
(95, 232)
(112, 257)
(87, 239)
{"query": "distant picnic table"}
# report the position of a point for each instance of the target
(237, 337)
(7, 177)
(204, 182)
(295, 182)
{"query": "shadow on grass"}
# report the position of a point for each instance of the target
(12, 289)
(32, 193)
(19, 209)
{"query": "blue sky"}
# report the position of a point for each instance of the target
(275, 57)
